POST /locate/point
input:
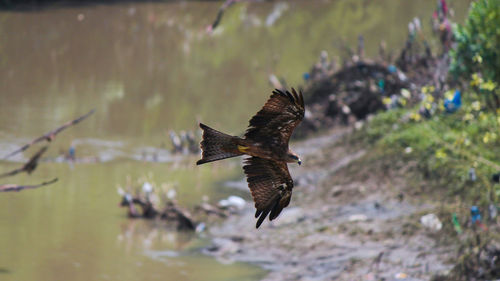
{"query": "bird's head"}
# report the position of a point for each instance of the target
(293, 158)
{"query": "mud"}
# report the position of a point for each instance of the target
(346, 221)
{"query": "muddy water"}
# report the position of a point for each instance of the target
(147, 68)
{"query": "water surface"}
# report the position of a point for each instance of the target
(148, 68)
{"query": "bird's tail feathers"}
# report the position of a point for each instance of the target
(216, 145)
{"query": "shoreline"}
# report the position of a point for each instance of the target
(336, 227)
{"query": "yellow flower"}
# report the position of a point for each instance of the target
(482, 116)
(386, 101)
(489, 137)
(476, 80)
(476, 105)
(405, 93)
(489, 85)
(466, 142)
(486, 138)
(429, 98)
(415, 117)
(477, 58)
(449, 94)
(440, 154)
(468, 117)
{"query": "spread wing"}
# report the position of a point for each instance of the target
(275, 122)
(271, 186)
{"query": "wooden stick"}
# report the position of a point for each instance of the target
(16, 187)
(49, 136)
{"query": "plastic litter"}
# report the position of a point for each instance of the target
(472, 174)
(233, 201)
(456, 224)
(476, 217)
(493, 210)
(454, 104)
(431, 221)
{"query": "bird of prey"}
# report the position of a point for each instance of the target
(266, 142)
(29, 167)
(49, 136)
(16, 187)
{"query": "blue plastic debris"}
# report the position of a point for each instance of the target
(454, 104)
(381, 85)
(306, 76)
(392, 68)
(475, 215)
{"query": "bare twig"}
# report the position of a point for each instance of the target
(220, 13)
(50, 135)
(16, 187)
(29, 167)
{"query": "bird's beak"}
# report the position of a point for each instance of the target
(299, 162)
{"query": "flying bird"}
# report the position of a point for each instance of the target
(16, 187)
(49, 136)
(30, 166)
(266, 142)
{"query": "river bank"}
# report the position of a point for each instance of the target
(352, 217)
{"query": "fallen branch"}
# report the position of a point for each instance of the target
(29, 167)
(16, 187)
(51, 135)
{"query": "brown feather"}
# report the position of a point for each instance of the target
(270, 184)
(273, 125)
(216, 145)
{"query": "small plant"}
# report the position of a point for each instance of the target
(476, 52)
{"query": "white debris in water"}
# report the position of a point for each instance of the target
(200, 227)
(408, 150)
(233, 201)
(147, 187)
(171, 194)
(431, 221)
(278, 10)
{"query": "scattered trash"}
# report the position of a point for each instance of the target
(184, 142)
(401, 275)
(147, 187)
(232, 201)
(171, 194)
(431, 221)
(454, 104)
(357, 217)
(475, 214)
(472, 174)
(278, 10)
(493, 210)
(456, 224)
(200, 227)
(476, 217)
